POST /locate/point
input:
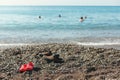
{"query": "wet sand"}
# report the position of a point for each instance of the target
(75, 62)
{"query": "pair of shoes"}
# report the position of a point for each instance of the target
(26, 67)
(49, 53)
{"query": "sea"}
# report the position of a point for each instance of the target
(22, 25)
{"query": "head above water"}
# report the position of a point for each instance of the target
(40, 17)
(59, 15)
(85, 17)
(81, 17)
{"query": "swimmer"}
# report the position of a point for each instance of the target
(39, 17)
(81, 19)
(85, 17)
(59, 16)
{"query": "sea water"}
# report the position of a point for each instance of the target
(21, 24)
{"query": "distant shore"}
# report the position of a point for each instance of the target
(78, 62)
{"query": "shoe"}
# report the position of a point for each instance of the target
(23, 68)
(29, 66)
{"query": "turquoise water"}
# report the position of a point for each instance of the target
(21, 24)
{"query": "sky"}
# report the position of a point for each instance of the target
(61, 2)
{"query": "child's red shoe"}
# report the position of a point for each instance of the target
(29, 66)
(23, 68)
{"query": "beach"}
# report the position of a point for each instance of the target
(75, 62)
(60, 43)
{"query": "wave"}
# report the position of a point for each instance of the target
(16, 44)
(97, 44)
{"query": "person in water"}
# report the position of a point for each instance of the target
(85, 17)
(59, 16)
(81, 19)
(39, 17)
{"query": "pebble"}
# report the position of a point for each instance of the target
(70, 55)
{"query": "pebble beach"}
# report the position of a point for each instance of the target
(67, 42)
(74, 62)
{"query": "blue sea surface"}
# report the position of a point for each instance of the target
(21, 24)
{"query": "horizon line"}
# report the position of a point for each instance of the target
(59, 5)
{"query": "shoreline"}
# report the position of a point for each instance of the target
(95, 45)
